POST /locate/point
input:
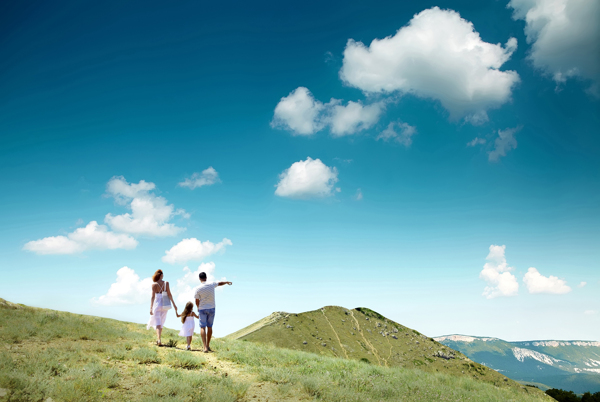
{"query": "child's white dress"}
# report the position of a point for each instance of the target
(187, 329)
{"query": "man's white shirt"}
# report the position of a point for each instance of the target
(206, 294)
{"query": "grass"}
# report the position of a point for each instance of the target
(70, 357)
(332, 379)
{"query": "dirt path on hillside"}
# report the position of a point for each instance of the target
(335, 333)
(258, 390)
(379, 359)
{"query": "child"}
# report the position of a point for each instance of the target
(187, 318)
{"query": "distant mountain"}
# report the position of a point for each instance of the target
(570, 365)
(363, 334)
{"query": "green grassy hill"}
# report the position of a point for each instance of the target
(365, 335)
(56, 356)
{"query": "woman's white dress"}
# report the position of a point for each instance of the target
(158, 317)
(187, 329)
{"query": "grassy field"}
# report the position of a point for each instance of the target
(68, 357)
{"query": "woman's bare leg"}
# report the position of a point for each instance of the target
(189, 341)
(159, 334)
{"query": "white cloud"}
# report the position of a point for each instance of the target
(306, 179)
(537, 283)
(440, 56)
(302, 114)
(149, 214)
(504, 143)
(353, 117)
(206, 178)
(92, 236)
(189, 281)
(565, 37)
(476, 141)
(398, 131)
(496, 273)
(582, 284)
(128, 289)
(359, 195)
(299, 112)
(590, 312)
(193, 250)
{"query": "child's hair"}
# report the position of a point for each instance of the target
(187, 311)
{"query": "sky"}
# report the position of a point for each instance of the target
(437, 162)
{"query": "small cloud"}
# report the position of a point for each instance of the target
(359, 195)
(149, 215)
(208, 177)
(496, 273)
(581, 284)
(399, 132)
(92, 236)
(353, 117)
(537, 283)
(347, 161)
(476, 141)
(307, 179)
(590, 312)
(193, 250)
(504, 143)
(302, 114)
(127, 289)
(329, 57)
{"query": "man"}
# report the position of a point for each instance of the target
(205, 302)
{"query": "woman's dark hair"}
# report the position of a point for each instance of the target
(157, 275)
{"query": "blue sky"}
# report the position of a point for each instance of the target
(335, 172)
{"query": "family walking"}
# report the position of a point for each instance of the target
(205, 303)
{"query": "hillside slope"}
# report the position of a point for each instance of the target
(363, 334)
(68, 357)
(572, 365)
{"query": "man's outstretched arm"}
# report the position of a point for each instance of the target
(224, 283)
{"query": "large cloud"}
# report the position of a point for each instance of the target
(565, 37)
(189, 281)
(440, 56)
(92, 236)
(149, 214)
(496, 273)
(302, 114)
(206, 178)
(538, 283)
(127, 289)
(193, 250)
(306, 179)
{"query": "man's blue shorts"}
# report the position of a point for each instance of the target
(206, 317)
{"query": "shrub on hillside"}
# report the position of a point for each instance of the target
(569, 396)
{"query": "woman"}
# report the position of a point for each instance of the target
(157, 314)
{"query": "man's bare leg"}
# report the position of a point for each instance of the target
(208, 336)
(203, 336)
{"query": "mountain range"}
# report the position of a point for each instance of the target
(571, 365)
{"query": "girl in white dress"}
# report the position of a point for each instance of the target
(157, 314)
(187, 318)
